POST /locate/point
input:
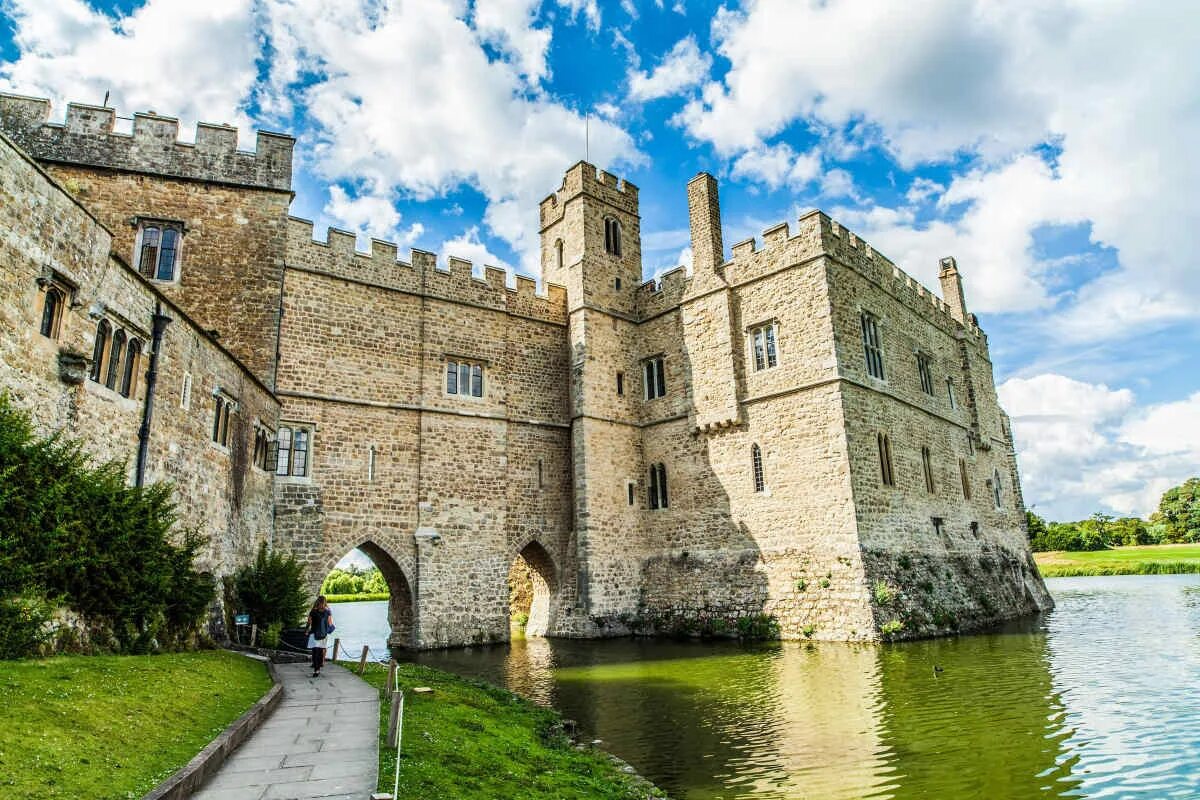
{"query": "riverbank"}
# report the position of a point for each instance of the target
(473, 741)
(365, 597)
(1162, 559)
(115, 726)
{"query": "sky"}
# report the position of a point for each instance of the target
(1049, 146)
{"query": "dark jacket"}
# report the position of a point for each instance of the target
(318, 623)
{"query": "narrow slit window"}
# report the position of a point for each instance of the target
(927, 466)
(539, 474)
(950, 393)
(100, 350)
(629, 492)
(997, 490)
(52, 305)
(871, 346)
(621, 383)
(756, 466)
(371, 464)
(133, 357)
(925, 371)
(115, 354)
(966, 482)
(885, 459)
(558, 253)
(938, 525)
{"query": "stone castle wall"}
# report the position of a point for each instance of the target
(45, 233)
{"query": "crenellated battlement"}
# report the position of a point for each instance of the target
(656, 296)
(87, 138)
(586, 179)
(816, 235)
(421, 274)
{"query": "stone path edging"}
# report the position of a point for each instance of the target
(189, 778)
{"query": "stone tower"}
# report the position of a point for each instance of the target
(591, 244)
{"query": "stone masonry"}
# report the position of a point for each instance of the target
(542, 457)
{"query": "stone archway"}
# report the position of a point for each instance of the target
(401, 608)
(533, 590)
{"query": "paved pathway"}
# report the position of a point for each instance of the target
(321, 742)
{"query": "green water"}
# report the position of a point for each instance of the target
(1100, 698)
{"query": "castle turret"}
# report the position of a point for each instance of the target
(704, 215)
(952, 290)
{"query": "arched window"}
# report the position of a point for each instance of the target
(885, 459)
(52, 305)
(996, 490)
(103, 332)
(966, 483)
(927, 466)
(757, 467)
(658, 486)
(114, 359)
(612, 236)
(133, 355)
(558, 253)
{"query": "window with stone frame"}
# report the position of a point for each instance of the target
(654, 378)
(100, 350)
(620, 384)
(886, 473)
(224, 408)
(464, 378)
(156, 254)
(612, 236)
(656, 494)
(763, 347)
(925, 371)
(294, 446)
(950, 393)
(133, 362)
(872, 347)
(54, 300)
(116, 355)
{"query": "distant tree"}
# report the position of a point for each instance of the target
(1035, 525)
(374, 582)
(1129, 531)
(1179, 512)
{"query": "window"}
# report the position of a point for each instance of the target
(927, 465)
(100, 350)
(558, 253)
(293, 458)
(612, 236)
(539, 474)
(970, 444)
(617, 284)
(133, 355)
(53, 300)
(763, 339)
(158, 249)
(464, 378)
(997, 490)
(966, 483)
(924, 364)
(975, 529)
(371, 464)
(655, 377)
(185, 392)
(939, 525)
(950, 393)
(885, 459)
(658, 486)
(756, 468)
(223, 408)
(115, 351)
(629, 492)
(871, 347)
(621, 383)
(264, 450)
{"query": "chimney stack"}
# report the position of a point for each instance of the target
(952, 291)
(704, 214)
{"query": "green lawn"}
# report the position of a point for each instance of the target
(471, 741)
(107, 727)
(1146, 560)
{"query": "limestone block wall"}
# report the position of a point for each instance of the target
(233, 206)
(46, 234)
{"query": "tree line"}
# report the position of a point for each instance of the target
(1177, 521)
(354, 580)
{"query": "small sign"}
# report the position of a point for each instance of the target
(241, 619)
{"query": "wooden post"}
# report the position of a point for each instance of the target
(391, 679)
(394, 717)
(362, 662)
(253, 634)
(336, 644)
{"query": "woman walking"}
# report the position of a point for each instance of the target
(320, 625)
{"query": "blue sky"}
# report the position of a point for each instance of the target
(1048, 146)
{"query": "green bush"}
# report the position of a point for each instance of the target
(272, 635)
(758, 626)
(883, 593)
(74, 530)
(24, 626)
(271, 589)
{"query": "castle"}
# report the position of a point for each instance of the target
(795, 434)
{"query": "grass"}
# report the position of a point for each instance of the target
(472, 741)
(1161, 559)
(357, 598)
(113, 727)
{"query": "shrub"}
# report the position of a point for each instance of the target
(271, 589)
(824, 583)
(808, 631)
(24, 626)
(271, 635)
(758, 626)
(801, 585)
(891, 627)
(883, 593)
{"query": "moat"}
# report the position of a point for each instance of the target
(1094, 699)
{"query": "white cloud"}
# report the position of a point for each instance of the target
(682, 68)
(1085, 447)
(416, 107)
(509, 25)
(997, 81)
(587, 8)
(469, 247)
(160, 57)
(777, 166)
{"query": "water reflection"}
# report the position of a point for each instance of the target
(1096, 700)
